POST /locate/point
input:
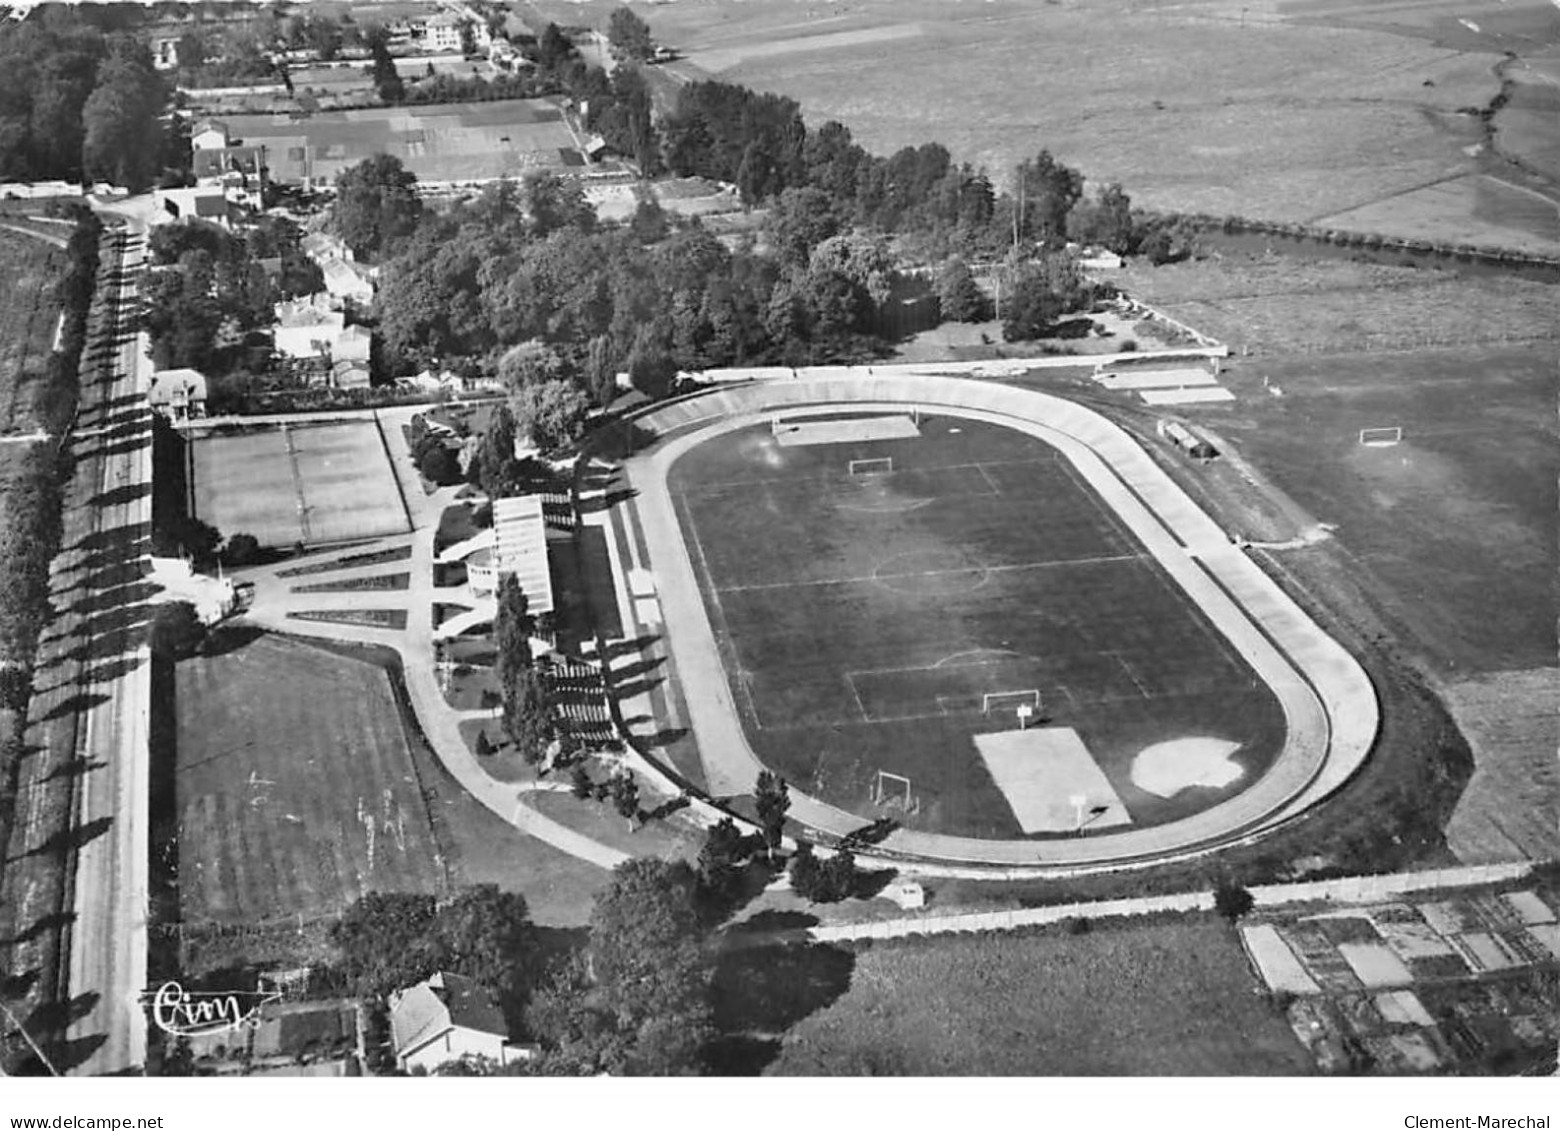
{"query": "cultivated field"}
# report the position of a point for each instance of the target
(296, 785)
(456, 142)
(862, 619)
(1161, 999)
(1284, 112)
(28, 318)
(315, 484)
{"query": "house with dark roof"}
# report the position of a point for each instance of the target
(445, 1018)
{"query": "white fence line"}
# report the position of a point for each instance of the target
(1350, 889)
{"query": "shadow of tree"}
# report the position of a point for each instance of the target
(68, 840)
(760, 992)
(54, 921)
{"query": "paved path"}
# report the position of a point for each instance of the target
(1355, 890)
(440, 723)
(1329, 706)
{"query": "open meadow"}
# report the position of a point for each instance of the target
(1286, 112)
(1169, 998)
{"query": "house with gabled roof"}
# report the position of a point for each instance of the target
(445, 1018)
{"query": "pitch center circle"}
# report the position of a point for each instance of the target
(932, 573)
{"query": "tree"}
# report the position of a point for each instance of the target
(495, 453)
(799, 220)
(827, 881)
(387, 941)
(1045, 193)
(960, 296)
(241, 550)
(376, 204)
(772, 798)
(649, 956)
(1107, 221)
(629, 36)
(720, 862)
(529, 363)
(551, 414)
(528, 713)
(625, 797)
(1231, 900)
(483, 746)
(486, 934)
(387, 80)
(555, 203)
(177, 630)
(512, 627)
(123, 138)
(1040, 294)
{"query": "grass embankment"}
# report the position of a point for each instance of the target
(1167, 998)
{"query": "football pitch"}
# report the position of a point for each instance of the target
(880, 618)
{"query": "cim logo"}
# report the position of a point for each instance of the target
(190, 1013)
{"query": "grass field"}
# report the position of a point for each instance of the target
(1163, 999)
(1279, 305)
(1454, 529)
(28, 317)
(293, 802)
(1218, 107)
(461, 141)
(279, 785)
(862, 619)
(316, 484)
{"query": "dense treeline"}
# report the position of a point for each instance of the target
(78, 101)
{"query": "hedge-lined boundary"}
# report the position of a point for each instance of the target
(34, 494)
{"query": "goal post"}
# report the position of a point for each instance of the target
(877, 466)
(893, 791)
(1005, 700)
(1381, 437)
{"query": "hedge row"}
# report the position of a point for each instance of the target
(34, 494)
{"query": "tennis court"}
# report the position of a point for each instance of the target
(315, 484)
(455, 142)
(870, 597)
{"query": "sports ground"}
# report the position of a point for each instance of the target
(316, 484)
(457, 142)
(893, 620)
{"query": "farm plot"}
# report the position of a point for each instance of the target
(1279, 118)
(316, 484)
(869, 622)
(296, 787)
(1160, 999)
(28, 317)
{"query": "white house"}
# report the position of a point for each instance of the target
(346, 282)
(308, 327)
(209, 202)
(445, 1018)
(349, 359)
(178, 394)
(322, 247)
(209, 134)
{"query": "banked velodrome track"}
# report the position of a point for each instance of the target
(1329, 706)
